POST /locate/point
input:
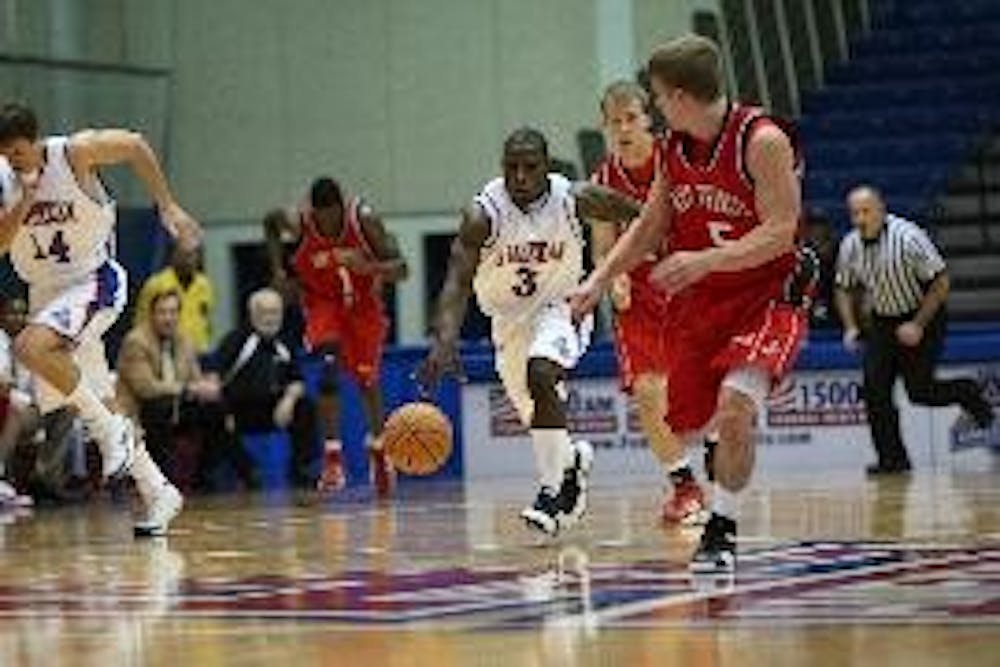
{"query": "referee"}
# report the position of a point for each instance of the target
(895, 263)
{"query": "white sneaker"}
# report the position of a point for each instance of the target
(9, 497)
(119, 452)
(163, 508)
(543, 514)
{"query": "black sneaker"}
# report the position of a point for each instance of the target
(717, 551)
(572, 498)
(543, 515)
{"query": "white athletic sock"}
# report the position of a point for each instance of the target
(683, 462)
(725, 503)
(99, 420)
(553, 454)
(149, 479)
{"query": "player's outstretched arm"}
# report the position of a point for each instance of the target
(642, 236)
(462, 264)
(454, 298)
(391, 264)
(92, 149)
(591, 197)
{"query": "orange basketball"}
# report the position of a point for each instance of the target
(417, 438)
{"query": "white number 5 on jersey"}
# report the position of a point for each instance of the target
(717, 232)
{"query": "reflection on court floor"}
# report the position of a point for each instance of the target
(455, 563)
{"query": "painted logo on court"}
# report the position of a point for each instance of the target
(791, 584)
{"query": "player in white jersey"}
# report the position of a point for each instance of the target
(57, 224)
(520, 247)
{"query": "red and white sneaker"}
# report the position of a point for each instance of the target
(332, 478)
(380, 469)
(686, 506)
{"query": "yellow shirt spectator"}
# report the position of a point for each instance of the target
(197, 298)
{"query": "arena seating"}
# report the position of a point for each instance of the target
(916, 100)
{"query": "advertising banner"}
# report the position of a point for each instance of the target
(814, 421)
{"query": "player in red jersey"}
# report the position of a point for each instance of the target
(344, 256)
(641, 312)
(729, 196)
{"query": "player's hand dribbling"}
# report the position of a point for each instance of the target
(442, 360)
(182, 227)
(682, 269)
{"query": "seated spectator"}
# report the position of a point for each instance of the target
(262, 383)
(43, 453)
(161, 384)
(185, 277)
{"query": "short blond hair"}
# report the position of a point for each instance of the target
(622, 91)
(691, 63)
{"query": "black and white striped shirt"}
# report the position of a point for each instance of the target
(894, 269)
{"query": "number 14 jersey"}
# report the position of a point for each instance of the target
(67, 234)
(532, 258)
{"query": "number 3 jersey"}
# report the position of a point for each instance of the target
(532, 258)
(67, 234)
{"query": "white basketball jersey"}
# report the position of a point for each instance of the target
(68, 233)
(532, 258)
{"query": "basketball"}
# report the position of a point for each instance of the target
(418, 438)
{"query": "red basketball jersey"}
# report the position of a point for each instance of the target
(324, 280)
(712, 197)
(634, 182)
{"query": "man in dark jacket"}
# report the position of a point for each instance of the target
(262, 383)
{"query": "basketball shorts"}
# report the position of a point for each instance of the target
(357, 335)
(641, 337)
(549, 334)
(81, 312)
(753, 329)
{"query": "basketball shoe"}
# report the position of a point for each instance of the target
(11, 497)
(543, 514)
(332, 478)
(686, 506)
(716, 552)
(162, 509)
(572, 497)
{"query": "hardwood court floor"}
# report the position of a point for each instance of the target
(834, 570)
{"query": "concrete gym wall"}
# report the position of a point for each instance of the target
(407, 102)
(404, 101)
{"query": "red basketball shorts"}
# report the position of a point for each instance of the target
(717, 333)
(357, 333)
